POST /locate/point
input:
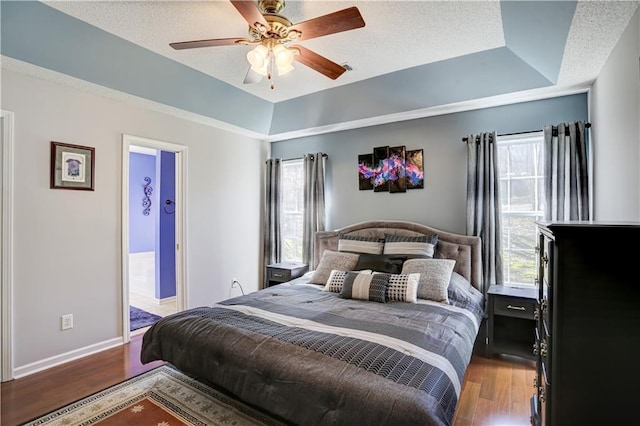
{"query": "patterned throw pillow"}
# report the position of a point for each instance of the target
(335, 281)
(333, 260)
(356, 244)
(435, 275)
(403, 288)
(371, 287)
(422, 246)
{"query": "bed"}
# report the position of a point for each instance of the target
(310, 356)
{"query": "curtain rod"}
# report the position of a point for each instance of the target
(465, 139)
(302, 158)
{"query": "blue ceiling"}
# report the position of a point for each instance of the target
(35, 33)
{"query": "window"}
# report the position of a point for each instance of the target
(291, 214)
(521, 169)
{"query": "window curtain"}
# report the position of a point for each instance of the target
(566, 174)
(272, 239)
(314, 215)
(483, 204)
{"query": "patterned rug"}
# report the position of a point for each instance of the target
(160, 397)
(140, 319)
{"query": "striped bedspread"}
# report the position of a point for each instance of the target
(311, 357)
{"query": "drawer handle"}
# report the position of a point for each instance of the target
(277, 275)
(516, 308)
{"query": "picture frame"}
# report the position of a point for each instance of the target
(72, 166)
(380, 165)
(397, 182)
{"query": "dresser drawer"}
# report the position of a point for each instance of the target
(279, 275)
(283, 272)
(514, 307)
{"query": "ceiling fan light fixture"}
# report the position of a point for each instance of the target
(259, 59)
(282, 70)
(283, 58)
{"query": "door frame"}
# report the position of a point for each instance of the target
(180, 215)
(6, 260)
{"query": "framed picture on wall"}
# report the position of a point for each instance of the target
(396, 179)
(381, 169)
(414, 169)
(72, 166)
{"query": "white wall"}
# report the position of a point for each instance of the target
(67, 243)
(615, 115)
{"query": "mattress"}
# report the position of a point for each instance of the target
(311, 357)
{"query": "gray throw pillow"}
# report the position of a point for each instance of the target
(333, 260)
(435, 275)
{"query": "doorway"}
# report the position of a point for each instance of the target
(152, 272)
(6, 246)
(153, 211)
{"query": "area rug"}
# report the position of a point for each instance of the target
(160, 397)
(140, 319)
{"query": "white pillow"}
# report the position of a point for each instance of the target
(435, 275)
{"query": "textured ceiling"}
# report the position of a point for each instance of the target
(411, 57)
(397, 35)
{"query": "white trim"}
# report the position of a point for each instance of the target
(474, 104)
(470, 105)
(180, 213)
(46, 74)
(53, 361)
(6, 287)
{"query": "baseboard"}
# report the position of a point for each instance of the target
(53, 361)
(166, 300)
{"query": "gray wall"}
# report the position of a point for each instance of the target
(442, 202)
(615, 111)
(67, 252)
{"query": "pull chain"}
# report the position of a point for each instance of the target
(270, 74)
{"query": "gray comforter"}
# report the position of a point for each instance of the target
(311, 357)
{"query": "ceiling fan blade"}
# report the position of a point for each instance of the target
(207, 43)
(336, 22)
(252, 77)
(250, 12)
(318, 62)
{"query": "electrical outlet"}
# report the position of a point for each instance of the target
(67, 321)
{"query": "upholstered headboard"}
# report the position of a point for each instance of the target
(464, 249)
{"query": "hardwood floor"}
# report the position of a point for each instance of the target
(495, 391)
(28, 397)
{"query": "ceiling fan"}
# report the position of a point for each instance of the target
(272, 34)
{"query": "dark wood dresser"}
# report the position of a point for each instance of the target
(588, 324)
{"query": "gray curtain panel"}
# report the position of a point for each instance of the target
(314, 215)
(566, 174)
(272, 239)
(483, 204)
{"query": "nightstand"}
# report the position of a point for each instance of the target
(285, 271)
(512, 322)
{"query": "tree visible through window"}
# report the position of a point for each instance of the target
(521, 170)
(292, 185)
